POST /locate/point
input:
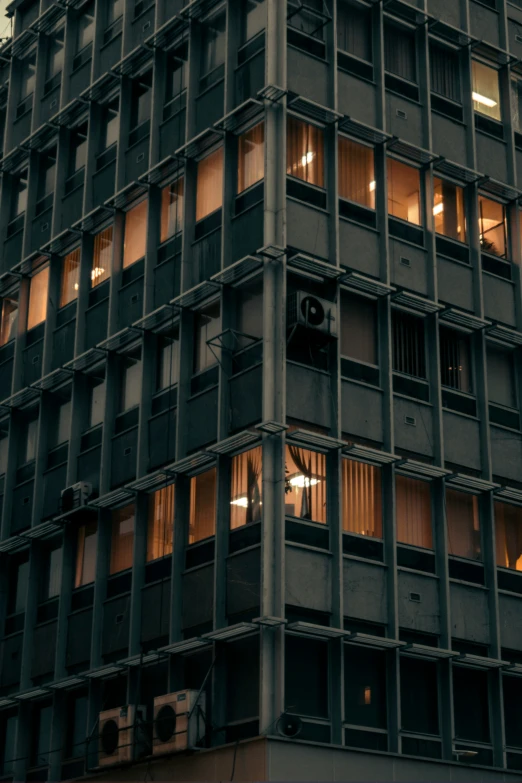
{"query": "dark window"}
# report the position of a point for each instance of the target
(512, 689)
(7, 744)
(76, 727)
(408, 344)
(54, 56)
(413, 502)
(18, 581)
(306, 677)
(85, 28)
(354, 30)
(419, 696)
(455, 360)
(141, 100)
(253, 19)
(356, 171)
(78, 149)
(365, 687)
(46, 177)
(212, 44)
(399, 52)
(445, 72)
(501, 377)
(358, 328)
(19, 194)
(51, 574)
(308, 17)
(41, 735)
(470, 704)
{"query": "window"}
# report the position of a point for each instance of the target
(176, 76)
(249, 313)
(508, 534)
(101, 257)
(305, 152)
(41, 735)
(209, 186)
(358, 328)
(364, 687)
(18, 583)
(141, 100)
(354, 30)
(168, 362)
(27, 442)
(448, 209)
(202, 506)
(70, 277)
(38, 292)
(130, 383)
(110, 125)
(46, 175)
(486, 91)
(361, 498)
(78, 149)
(9, 319)
(399, 52)
(4, 451)
(114, 11)
(172, 209)
(462, 515)
(501, 377)
(76, 727)
(27, 76)
(305, 484)
(419, 696)
(516, 103)
(8, 746)
(308, 17)
(403, 191)
(251, 157)
(492, 227)
(85, 28)
(122, 541)
(455, 360)
(62, 430)
(19, 195)
(306, 676)
(253, 18)
(413, 503)
(212, 44)
(86, 554)
(160, 527)
(445, 72)
(97, 403)
(470, 704)
(51, 574)
(54, 56)
(408, 344)
(246, 488)
(135, 238)
(356, 172)
(207, 326)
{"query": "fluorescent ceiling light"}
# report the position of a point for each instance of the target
(243, 502)
(438, 208)
(308, 158)
(303, 481)
(478, 98)
(372, 186)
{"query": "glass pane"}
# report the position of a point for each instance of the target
(361, 499)
(209, 188)
(501, 377)
(70, 277)
(86, 554)
(202, 506)
(354, 30)
(38, 298)
(413, 501)
(365, 687)
(9, 320)
(55, 573)
(168, 363)
(356, 172)
(172, 203)
(463, 525)
(492, 227)
(305, 484)
(160, 528)
(253, 18)
(122, 539)
(246, 488)
(508, 530)
(403, 191)
(102, 257)
(135, 238)
(419, 696)
(251, 157)
(305, 152)
(207, 326)
(486, 93)
(358, 328)
(131, 385)
(455, 366)
(213, 44)
(448, 210)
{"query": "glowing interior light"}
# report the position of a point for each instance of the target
(478, 98)
(243, 502)
(76, 286)
(372, 186)
(306, 159)
(302, 481)
(438, 208)
(97, 272)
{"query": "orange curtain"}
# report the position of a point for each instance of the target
(202, 506)
(9, 319)
(134, 242)
(508, 534)
(356, 172)
(305, 152)
(38, 298)
(361, 498)
(251, 157)
(463, 524)
(122, 539)
(305, 484)
(245, 494)
(209, 195)
(160, 527)
(413, 500)
(70, 277)
(172, 202)
(102, 257)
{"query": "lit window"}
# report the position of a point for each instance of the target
(408, 344)
(448, 210)
(46, 175)
(101, 257)
(413, 504)
(202, 506)
(168, 362)
(399, 52)
(176, 75)
(492, 227)
(4, 451)
(471, 704)
(305, 152)
(70, 277)
(206, 327)
(403, 191)
(62, 430)
(172, 204)
(501, 377)
(361, 499)
(305, 484)
(356, 172)
(86, 554)
(455, 360)
(114, 11)
(122, 541)
(307, 17)
(251, 157)
(160, 527)
(249, 314)
(486, 91)
(9, 319)
(41, 718)
(358, 328)
(246, 489)
(134, 243)
(354, 30)
(253, 18)
(508, 533)
(38, 291)
(209, 187)
(9, 744)
(130, 383)
(463, 525)
(78, 149)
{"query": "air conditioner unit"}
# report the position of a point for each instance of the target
(310, 311)
(173, 729)
(76, 495)
(121, 735)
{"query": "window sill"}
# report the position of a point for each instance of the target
(504, 427)
(495, 123)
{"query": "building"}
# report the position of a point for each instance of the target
(260, 389)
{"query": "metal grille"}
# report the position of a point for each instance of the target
(409, 353)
